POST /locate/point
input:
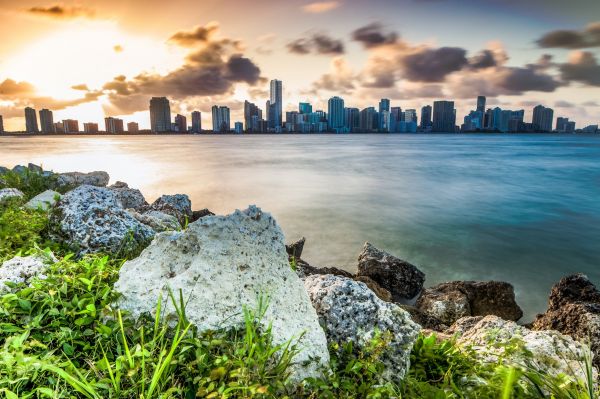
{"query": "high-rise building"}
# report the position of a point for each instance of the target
(426, 117)
(384, 105)
(47, 121)
(570, 128)
(335, 109)
(368, 120)
(444, 117)
(90, 127)
(396, 113)
(133, 127)
(113, 125)
(160, 115)
(70, 126)
(181, 123)
(250, 111)
(31, 124)
(196, 122)
(1, 125)
(305, 108)
(352, 119)
(542, 118)
(59, 127)
(410, 115)
(221, 119)
(276, 102)
(481, 104)
(561, 124)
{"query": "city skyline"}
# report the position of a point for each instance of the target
(412, 52)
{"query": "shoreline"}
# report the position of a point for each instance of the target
(13, 134)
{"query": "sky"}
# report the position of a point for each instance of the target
(89, 59)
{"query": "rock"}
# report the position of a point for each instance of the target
(220, 264)
(75, 179)
(424, 320)
(20, 169)
(4, 170)
(381, 292)
(574, 309)
(21, 270)
(34, 168)
(200, 214)
(178, 205)
(449, 302)
(158, 221)
(551, 352)
(401, 278)
(44, 201)
(295, 249)
(350, 312)
(119, 184)
(91, 219)
(8, 194)
(130, 198)
(304, 270)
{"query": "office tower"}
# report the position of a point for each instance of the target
(221, 119)
(335, 109)
(276, 100)
(113, 125)
(410, 115)
(384, 105)
(31, 125)
(305, 108)
(515, 124)
(368, 119)
(396, 114)
(250, 111)
(481, 104)
(444, 117)
(90, 127)
(426, 117)
(181, 123)
(542, 118)
(472, 122)
(47, 121)
(196, 122)
(70, 126)
(561, 124)
(59, 127)
(238, 127)
(570, 127)
(352, 119)
(385, 121)
(1, 125)
(160, 115)
(133, 127)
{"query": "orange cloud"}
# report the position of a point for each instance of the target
(320, 7)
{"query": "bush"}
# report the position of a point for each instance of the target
(21, 229)
(31, 183)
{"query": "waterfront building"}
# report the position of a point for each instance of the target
(181, 123)
(160, 115)
(31, 124)
(250, 111)
(426, 114)
(305, 108)
(384, 105)
(47, 121)
(410, 115)
(133, 127)
(368, 120)
(385, 122)
(196, 122)
(444, 117)
(1, 125)
(90, 127)
(335, 110)
(276, 104)
(221, 119)
(352, 119)
(481, 104)
(542, 118)
(113, 125)
(70, 126)
(238, 127)
(561, 124)
(58, 127)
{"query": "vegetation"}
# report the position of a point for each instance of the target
(60, 337)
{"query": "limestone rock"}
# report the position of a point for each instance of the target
(220, 264)
(303, 270)
(130, 198)
(8, 194)
(91, 219)
(350, 312)
(21, 270)
(401, 278)
(74, 179)
(158, 221)
(178, 205)
(44, 201)
(449, 302)
(423, 319)
(200, 214)
(381, 292)
(295, 249)
(35, 168)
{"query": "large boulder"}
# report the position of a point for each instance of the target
(91, 219)
(158, 221)
(130, 198)
(399, 277)
(303, 269)
(75, 179)
(20, 270)
(10, 194)
(178, 205)
(378, 290)
(221, 264)
(547, 351)
(350, 312)
(449, 302)
(44, 201)
(574, 309)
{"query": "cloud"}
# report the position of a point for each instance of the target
(572, 39)
(582, 67)
(340, 79)
(200, 34)
(59, 11)
(516, 80)
(118, 48)
(563, 104)
(81, 87)
(485, 59)
(590, 104)
(319, 43)
(319, 7)
(12, 88)
(373, 35)
(433, 64)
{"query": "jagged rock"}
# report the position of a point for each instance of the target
(119, 184)
(158, 221)
(551, 352)
(350, 312)
(574, 309)
(381, 292)
(91, 219)
(74, 179)
(20, 169)
(8, 194)
(44, 201)
(303, 270)
(450, 301)
(200, 214)
(295, 249)
(178, 205)
(220, 264)
(34, 168)
(424, 320)
(22, 269)
(130, 198)
(399, 277)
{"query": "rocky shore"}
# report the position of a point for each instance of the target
(222, 263)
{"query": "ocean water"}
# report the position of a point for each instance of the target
(518, 208)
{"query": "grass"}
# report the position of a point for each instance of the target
(60, 337)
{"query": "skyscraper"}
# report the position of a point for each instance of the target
(444, 117)
(335, 109)
(543, 118)
(305, 108)
(384, 105)
(410, 115)
(250, 111)
(196, 122)
(352, 119)
(426, 117)
(133, 127)
(113, 125)
(31, 124)
(561, 124)
(368, 120)
(481, 104)
(221, 119)
(70, 126)
(89, 127)
(47, 121)
(276, 102)
(1, 125)
(181, 123)
(160, 115)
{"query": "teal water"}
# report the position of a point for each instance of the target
(518, 208)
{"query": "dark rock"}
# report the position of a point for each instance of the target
(449, 302)
(303, 270)
(130, 198)
(35, 169)
(20, 169)
(120, 184)
(178, 205)
(424, 320)
(200, 214)
(381, 292)
(295, 249)
(399, 277)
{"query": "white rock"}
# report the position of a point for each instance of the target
(10, 193)
(220, 264)
(129, 197)
(158, 221)
(44, 201)
(73, 179)
(22, 269)
(350, 312)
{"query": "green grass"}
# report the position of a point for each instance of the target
(31, 183)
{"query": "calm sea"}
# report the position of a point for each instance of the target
(519, 208)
